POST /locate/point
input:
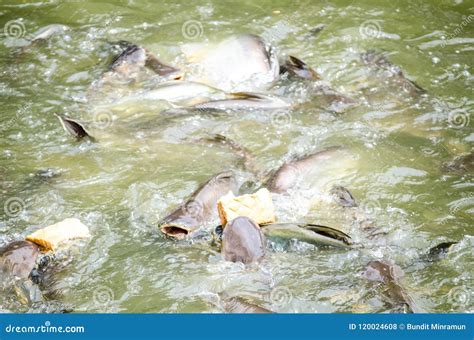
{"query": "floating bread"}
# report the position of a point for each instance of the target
(52, 236)
(258, 207)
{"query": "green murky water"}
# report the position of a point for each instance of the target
(142, 166)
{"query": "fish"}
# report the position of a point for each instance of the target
(134, 59)
(240, 63)
(245, 154)
(239, 305)
(320, 163)
(460, 165)
(306, 232)
(389, 274)
(242, 241)
(18, 258)
(328, 98)
(176, 92)
(378, 61)
(244, 101)
(343, 197)
(73, 127)
(317, 29)
(47, 32)
(199, 207)
(297, 68)
(438, 252)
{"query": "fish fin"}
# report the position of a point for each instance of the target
(122, 57)
(317, 29)
(246, 95)
(343, 196)
(73, 127)
(240, 150)
(417, 87)
(298, 68)
(328, 232)
(160, 68)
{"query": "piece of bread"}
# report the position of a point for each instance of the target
(258, 207)
(49, 238)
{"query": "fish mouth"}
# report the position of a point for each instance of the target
(175, 230)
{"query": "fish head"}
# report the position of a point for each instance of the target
(382, 271)
(19, 258)
(242, 241)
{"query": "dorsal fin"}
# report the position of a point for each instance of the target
(73, 127)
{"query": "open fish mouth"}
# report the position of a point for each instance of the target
(176, 231)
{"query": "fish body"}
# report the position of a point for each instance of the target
(199, 207)
(309, 233)
(302, 169)
(239, 63)
(176, 92)
(244, 101)
(389, 274)
(379, 62)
